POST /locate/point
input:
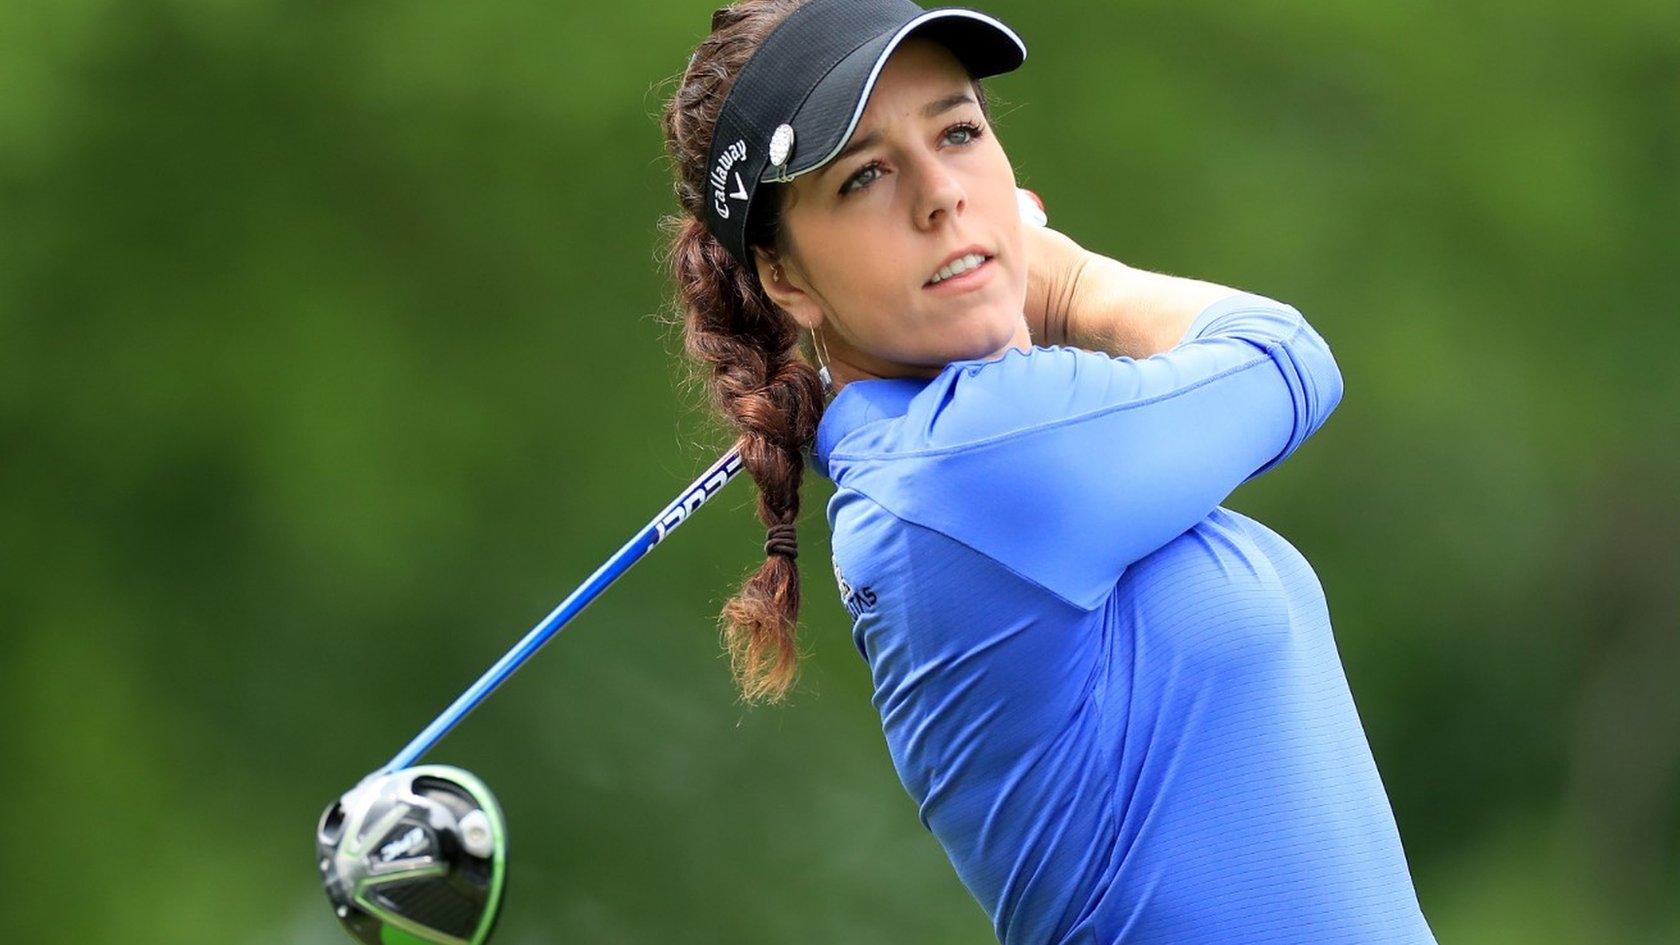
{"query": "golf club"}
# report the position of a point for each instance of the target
(416, 855)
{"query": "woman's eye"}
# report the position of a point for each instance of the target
(972, 130)
(968, 126)
(872, 165)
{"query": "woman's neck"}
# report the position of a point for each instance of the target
(847, 364)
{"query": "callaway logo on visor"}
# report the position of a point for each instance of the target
(727, 164)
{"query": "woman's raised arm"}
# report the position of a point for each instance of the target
(1067, 465)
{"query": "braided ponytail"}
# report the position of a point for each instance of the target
(747, 349)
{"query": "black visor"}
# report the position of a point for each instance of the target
(799, 97)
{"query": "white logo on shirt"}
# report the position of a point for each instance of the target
(857, 601)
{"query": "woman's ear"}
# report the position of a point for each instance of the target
(788, 289)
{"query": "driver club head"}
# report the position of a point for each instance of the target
(414, 856)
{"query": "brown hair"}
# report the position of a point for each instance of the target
(747, 349)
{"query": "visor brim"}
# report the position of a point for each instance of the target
(832, 110)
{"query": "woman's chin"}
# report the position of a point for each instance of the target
(991, 341)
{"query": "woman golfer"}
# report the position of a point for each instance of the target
(1118, 704)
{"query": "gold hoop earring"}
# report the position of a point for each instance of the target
(822, 361)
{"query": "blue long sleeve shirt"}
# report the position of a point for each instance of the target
(1118, 705)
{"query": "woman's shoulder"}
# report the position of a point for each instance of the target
(972, 403)
(1020, 391)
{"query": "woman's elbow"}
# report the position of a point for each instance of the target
(1322, 375)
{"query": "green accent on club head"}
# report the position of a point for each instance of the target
(433, 870)
(391, 935)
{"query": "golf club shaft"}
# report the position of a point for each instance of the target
(710, 483)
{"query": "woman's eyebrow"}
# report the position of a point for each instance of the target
(934, 108)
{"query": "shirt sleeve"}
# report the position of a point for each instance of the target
(1067, 465)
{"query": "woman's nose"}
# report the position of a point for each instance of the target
(939, 191)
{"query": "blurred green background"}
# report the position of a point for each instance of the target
(331, 358)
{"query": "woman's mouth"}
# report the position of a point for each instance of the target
(972, 277)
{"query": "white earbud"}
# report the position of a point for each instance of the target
(1030, 210)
